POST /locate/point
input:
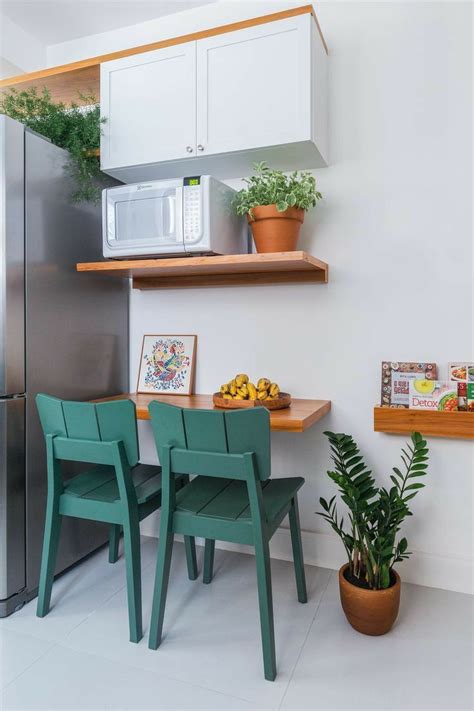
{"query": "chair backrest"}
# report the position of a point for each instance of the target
(91, 422)
(215, 433)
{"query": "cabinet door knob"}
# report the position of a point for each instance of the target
(189, 149)
(200, 147)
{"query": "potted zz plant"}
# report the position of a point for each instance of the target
(275, 205)
(369, 586)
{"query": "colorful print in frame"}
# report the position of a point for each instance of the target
(167, 365)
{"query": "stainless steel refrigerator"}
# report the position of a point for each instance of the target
(61, 333)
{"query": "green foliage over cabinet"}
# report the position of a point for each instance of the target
(76, 128)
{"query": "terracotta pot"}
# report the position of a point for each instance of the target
(369, 611)
(275, 231)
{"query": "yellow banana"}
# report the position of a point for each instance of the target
(274, 390)
(262, 395)
(239, 397)
(241, 379)
(263, 384)
(228, 396)
(252, 391)
(225, 388)
(233, 387)
(243, 391)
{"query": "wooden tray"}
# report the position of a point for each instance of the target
(283, 400)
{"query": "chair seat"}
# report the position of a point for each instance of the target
(228, 499)
(100, 484)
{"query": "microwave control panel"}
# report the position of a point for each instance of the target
(192, 209)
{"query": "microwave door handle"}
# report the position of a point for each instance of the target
(179, 224)
(171, 227)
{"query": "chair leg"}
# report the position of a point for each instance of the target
(131, 540)
(209, 547)
(52, 530)
(190, 548)
(163, 564)
(264, 581)
(114, 538)
(297, 551)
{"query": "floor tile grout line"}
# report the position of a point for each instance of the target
(104, 602)
(50, 647)
(305, 640)
(64, 643)
(146, 671)
(88, 615)
(92, 612)
(179, 679)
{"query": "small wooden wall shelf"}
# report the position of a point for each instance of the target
(67, 81)
(455, 425)
(230, 270)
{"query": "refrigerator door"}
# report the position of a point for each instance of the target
(12, 498)
(76, 332)
(12, 258)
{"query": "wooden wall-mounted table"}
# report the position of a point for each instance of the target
(301, 414)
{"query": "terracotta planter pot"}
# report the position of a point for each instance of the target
(275, 231)
(369, 611)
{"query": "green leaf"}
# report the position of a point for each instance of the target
(281, 206)
(357, 469)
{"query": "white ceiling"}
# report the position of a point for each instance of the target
(54, 21)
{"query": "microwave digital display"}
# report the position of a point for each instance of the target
(195, 180)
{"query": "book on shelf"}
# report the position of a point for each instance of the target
(396, 377)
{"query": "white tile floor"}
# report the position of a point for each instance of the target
(79, 657)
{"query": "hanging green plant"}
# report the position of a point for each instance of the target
(76, 127)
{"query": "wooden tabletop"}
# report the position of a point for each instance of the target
(301, 414)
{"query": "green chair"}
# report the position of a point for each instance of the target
(117, 490)
(231, 498)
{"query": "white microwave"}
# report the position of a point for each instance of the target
(172, 217)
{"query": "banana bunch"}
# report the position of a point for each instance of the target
(240, 388)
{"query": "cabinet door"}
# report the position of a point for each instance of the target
(253, 87)
(149, 102)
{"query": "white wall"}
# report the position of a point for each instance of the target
(19, 51)
(395, 227)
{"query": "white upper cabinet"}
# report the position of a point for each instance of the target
(217, 104)
(253, 87)
(149, 103)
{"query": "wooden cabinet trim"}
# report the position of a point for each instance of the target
(94, 62)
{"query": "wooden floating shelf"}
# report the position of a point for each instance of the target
(455, 425)
(67, 81)
(230, 270)
(301, 414)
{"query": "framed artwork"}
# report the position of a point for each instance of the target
(167, 365)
